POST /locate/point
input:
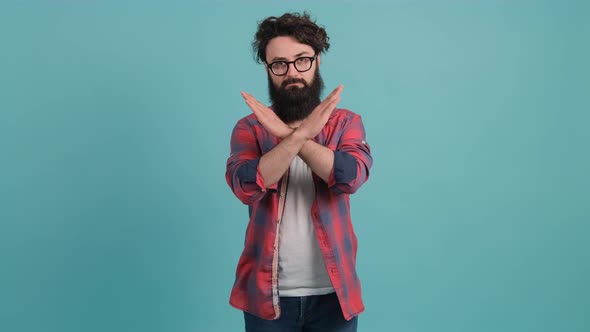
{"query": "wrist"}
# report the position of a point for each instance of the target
(286, 133)
(298, 135)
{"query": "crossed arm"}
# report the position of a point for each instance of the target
(344, 169)
(299, 141)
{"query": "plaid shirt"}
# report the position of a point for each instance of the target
(255, 289)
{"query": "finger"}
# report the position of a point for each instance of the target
(254, 107)
(249, 98)
(248, 101)
(253, 101)
(338, 89)
(335, 92)
(261, 105)
(331, 106)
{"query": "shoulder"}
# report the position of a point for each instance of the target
(249, 120)
(343, 115)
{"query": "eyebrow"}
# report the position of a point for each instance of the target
(285, 59)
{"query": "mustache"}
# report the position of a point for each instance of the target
(293, 80)
(295, 104)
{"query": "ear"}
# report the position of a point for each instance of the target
(318, 60)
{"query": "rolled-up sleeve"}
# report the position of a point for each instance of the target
(242, 172)
(352, 158)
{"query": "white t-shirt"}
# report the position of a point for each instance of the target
(302, 271)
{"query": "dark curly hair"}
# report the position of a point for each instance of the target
(299, 26)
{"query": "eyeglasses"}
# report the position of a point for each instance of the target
(301, 64)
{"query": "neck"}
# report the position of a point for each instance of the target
(295, 124)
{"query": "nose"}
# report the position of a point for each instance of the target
(292, 71)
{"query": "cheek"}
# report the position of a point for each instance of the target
(277, 81)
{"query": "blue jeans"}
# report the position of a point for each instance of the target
(316, 313)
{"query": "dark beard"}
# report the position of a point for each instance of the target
(295, 103)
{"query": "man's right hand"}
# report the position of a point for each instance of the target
(269, 120)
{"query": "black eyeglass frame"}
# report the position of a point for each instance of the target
(288, 63)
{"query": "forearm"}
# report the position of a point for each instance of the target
(319, 158)
(275, 163)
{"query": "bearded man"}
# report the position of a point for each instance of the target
(295, 164)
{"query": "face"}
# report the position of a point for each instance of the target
(285, 48)
(295, 94)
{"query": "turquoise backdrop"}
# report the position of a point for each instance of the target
(115, 118)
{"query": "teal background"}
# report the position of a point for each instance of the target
(115, 118)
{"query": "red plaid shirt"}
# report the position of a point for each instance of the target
(255, 289)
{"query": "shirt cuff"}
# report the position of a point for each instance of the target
(345, 168)
(250, 173)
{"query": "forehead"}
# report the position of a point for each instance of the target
(286, 47)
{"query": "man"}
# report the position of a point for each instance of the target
(294, 165)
